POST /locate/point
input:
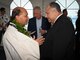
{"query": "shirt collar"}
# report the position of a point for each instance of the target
(39, 19)
(56, 19)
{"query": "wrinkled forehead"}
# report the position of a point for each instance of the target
(48, 8)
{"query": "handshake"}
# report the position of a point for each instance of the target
(40, 40)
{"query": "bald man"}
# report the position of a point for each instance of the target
(16, 41)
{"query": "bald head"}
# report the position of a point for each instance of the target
(20, 15)
(16, 11)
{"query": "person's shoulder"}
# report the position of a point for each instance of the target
(11, 28)
(63, 17)
(32, 19)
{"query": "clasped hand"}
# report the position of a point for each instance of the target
(40, 40)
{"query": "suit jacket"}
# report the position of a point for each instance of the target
(59, 41)
(32, 25)
(18, 46)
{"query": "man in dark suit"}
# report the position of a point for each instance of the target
(59, 42)
(38, 24)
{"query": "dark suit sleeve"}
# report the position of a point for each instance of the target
(32, 26)
(45, 24)
(63, 39)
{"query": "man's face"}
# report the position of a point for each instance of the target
(37, 13)
(23, 17)
(3, 12)
(50, 13)
(65, 13)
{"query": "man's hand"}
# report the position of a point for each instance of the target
(40, 40)
(43, 32)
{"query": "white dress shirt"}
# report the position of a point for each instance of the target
(38, 24)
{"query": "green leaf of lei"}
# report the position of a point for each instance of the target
(20, 28)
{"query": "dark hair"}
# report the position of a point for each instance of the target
(2, 9)
(65, 10)
(55, 5)
(16, 11)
